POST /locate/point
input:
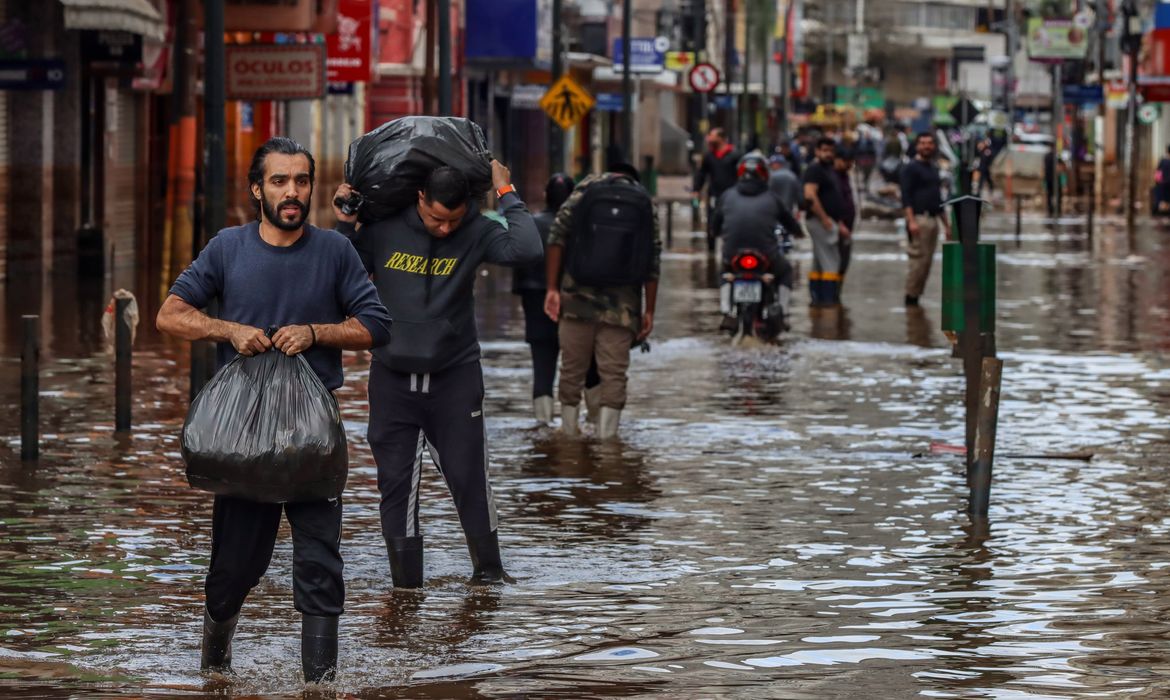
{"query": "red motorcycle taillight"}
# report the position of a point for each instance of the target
(749, 262)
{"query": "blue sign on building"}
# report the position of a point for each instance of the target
(508, 32)
(608, 102)
(32, 74)
(1083, 94)
(1162, 15)
(647, 54)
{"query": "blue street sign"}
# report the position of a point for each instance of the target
(724, 101)
(647, 54)
(608, 102)
(1083, 94)
(35, 74)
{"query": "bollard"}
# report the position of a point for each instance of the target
(979, 479)
(30, 389)
(1092, 212)
(121, 367)
(1019, 217)
(669, 225)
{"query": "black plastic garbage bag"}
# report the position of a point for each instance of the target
(389, 165)
(266, 429)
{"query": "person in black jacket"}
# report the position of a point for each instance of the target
(426, 385)
(540, 332)
(718, 171)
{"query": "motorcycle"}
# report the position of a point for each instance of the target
(750, 299)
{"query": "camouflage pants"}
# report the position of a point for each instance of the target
(581, 341)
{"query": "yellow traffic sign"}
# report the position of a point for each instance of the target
(566, 102)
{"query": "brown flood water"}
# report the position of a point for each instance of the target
(772, 524)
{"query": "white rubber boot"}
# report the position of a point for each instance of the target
(608, 422)
(593, 404)
(570, 417)
(542, 409)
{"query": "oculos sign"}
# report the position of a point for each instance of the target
(275, 71)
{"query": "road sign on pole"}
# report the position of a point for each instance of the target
(704, 77)
(566, 102)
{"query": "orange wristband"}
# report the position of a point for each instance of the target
(505, 190)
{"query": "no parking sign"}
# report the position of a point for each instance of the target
(704, 77)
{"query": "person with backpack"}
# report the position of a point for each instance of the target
(426, 386)
(602, 274)
(540, 332)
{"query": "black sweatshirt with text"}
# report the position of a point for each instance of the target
(428, 283)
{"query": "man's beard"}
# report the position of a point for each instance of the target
(272, 214)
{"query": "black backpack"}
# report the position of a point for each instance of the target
(612, 239)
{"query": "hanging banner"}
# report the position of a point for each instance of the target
(783, 18)
(348, 50)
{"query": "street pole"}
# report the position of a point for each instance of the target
(785, 77)
(1102, 9)
(214, 167)
(1131, 44)
(556, 137)
(627, 83)
(1057, 131)
(745, 115)
(444, 57)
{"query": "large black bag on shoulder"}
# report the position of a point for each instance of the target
(389, 165)
(266, 429)
(612, 239)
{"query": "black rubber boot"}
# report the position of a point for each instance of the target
(485, 559)
(406, 561)
(318, 648)
(217, 644)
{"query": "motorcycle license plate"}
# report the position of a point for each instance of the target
(746, 291)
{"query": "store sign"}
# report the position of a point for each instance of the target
(1055, 40)
(118, 49)
(647, 54)
(32, 75)
(275, 71)
(349, 49)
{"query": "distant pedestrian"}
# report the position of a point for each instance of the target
(790, 150)
(784, 183)
(308, 282)
(922, 205)
(1161, 198)
(602, 277)
(426, 385)
(825, 224)
(540, 332)
(985, 155)
(843, 162)
(717, 171)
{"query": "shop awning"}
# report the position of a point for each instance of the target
(134, 16)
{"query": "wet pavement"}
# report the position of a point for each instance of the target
(774, 522)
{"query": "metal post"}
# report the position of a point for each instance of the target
(745, 111)
(556, 136)
(627, 82)
(669, 225)
(30, 381)
(986, 425)
(1131, 150)
(1019, 217)
(122, 383)
(444, 11)
(215, 161)
(971, 339)
(785, 76)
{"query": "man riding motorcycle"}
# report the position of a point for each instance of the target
(746, 219)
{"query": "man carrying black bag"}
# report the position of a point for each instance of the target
(426, 385)
(310, 284)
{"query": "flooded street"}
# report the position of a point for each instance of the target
(773, 523)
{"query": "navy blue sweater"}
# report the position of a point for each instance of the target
(318, 279)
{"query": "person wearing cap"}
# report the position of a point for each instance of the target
(784, 183)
